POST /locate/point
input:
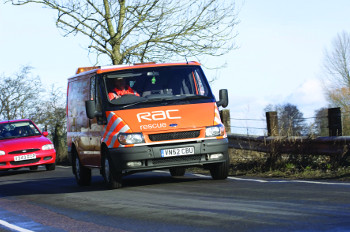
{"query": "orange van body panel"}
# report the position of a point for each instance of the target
(165, 119)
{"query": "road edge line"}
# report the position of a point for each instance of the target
(13, 227)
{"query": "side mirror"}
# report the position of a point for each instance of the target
(223, 95)
(45, 133)
(91, 109)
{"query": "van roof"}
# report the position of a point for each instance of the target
(105, 69)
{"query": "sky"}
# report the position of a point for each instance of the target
(278, 60)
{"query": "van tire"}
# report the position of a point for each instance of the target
(177, 171)
(220, 171)
(112, 178)
(82, 174)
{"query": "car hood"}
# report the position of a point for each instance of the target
(32, 142)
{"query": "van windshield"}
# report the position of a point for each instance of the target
(156, 84)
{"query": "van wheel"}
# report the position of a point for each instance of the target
(112, 178)
(50, 167)
(220, 171)
(177, 171)
(82, 174)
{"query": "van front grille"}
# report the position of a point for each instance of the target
(174, 135)
(177, 159)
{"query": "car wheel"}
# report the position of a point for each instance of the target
(50, 167)
(82, 174)
(177, 171)
(112, 178)
(33, 168)
(220, 171)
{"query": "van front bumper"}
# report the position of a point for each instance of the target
(143, 158)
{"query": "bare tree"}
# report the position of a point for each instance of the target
(337, 73)
(337, 62)
(147, 30)
(52, 114)
(19, 94)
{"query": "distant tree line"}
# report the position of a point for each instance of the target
(23, 96)
(291, 121)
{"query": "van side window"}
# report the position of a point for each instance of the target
(201, 89)
(98, 95)
(92, 87)
(95, 93)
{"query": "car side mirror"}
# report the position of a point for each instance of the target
(223, 95)
(45, 133)
(91, 109)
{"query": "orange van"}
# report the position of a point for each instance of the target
(124, 119)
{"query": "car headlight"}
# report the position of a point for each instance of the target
(214, 131)
(130, 138)
(2, 153)
(47, 147)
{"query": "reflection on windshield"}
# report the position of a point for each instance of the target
(17, 130)
(157, 83)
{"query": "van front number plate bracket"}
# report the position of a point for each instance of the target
(177, 151)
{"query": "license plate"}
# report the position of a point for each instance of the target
(177, 151)
(25, 157)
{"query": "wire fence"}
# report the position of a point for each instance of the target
(310, 125)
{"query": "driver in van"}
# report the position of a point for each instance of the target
(120, 89)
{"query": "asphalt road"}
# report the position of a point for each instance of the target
(154, 201)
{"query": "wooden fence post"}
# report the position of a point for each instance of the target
(335, 129)
(272, 123)
(334, 122)
(225, 118)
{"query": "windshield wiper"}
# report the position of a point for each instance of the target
(152, 98)
(134, 103)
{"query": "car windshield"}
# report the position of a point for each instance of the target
(156, 83)
(17, 130)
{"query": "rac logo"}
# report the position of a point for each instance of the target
(158, 115)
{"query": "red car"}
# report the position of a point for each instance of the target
(22, 144)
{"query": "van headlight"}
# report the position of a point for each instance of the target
(130, 138)
(2, 152)
(214, 131)
(47, 147)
